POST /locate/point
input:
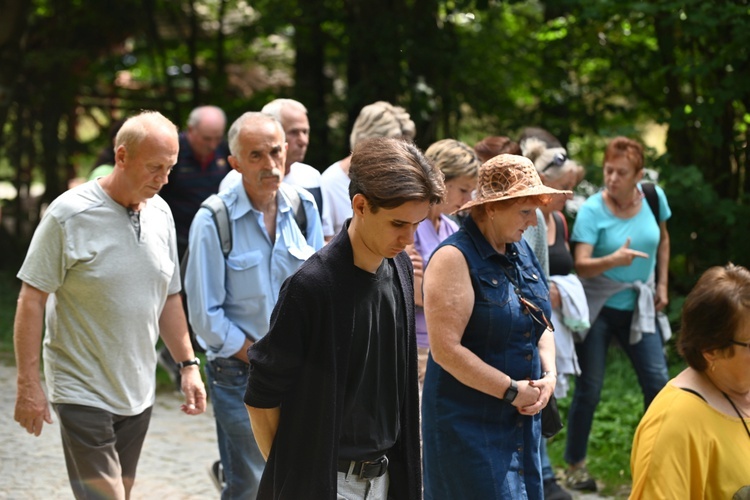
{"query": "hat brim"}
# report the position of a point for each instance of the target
(541, 191)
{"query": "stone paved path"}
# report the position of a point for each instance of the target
(173, 466)
(174, 463)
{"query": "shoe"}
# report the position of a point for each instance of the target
(216, 471)
(553, 491)
(579, 479)
(165, 361)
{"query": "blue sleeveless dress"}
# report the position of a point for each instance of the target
(476, 446)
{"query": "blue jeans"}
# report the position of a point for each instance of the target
(240, 457)
(547, 472)
(647, 358)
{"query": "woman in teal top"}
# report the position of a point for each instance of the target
(618, 246)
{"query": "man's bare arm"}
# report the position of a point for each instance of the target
(31, 409)
(265, 423)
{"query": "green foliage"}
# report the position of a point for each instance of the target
(586, 71)
(698, 213)
(615, 422)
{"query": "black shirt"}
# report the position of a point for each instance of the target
(560, 259)
(376, 381)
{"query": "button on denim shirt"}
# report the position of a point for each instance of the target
(231, 299)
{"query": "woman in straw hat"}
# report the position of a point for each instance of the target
(492, 354)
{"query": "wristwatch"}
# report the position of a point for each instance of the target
(189, 362)
(512, 392)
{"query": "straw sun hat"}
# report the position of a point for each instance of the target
(510, 176)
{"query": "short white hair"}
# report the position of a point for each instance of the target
(275, 107)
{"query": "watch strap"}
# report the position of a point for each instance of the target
(189, 362)
(512, 392)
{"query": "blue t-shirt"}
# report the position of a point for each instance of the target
(596, 225)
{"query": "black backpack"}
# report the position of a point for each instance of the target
(220, 215)
(649, 191)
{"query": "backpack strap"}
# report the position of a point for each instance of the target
(649, 191)
(300, 216)
(220, 214)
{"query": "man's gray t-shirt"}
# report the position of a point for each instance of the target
(107, 287)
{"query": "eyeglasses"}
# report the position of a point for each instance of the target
(743, 344)
(529, 307)
(533, 310)
(557, 161)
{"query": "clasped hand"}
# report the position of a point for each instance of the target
(533, 395)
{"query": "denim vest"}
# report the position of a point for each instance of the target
(500, 330)
(503, 444)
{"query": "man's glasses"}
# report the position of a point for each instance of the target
(743, 344)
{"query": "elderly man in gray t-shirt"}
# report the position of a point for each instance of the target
(103, 268)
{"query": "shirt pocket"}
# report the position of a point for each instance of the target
(492, 289)
(244, 275)
(535, 283)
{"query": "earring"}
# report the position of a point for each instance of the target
(713, 367)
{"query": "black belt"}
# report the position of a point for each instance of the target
(366, 469)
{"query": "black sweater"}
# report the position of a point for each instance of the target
(301, 365)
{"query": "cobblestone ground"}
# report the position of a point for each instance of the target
(173, 466)
(174, 463)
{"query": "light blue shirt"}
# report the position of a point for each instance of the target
(596, 225)
(230, 300)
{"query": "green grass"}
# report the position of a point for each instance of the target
(615, 422)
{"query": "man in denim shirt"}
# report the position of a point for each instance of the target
(230, 299)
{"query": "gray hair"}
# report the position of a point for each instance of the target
(138, 127)
(246, 120)
(275, 107)
(197, 114)
(382, 119)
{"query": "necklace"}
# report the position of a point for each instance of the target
(737, 411)
(637, 198)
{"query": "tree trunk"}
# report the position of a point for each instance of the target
(310, 83)
(375, 58)
(13, 22)
(678, 141)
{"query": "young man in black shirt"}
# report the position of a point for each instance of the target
(332, 391)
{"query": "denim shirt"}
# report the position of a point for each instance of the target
(504, 444)
(499, 329)
(230, 300)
